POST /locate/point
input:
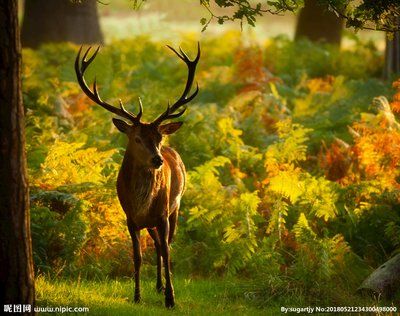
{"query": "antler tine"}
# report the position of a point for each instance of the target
(167, 116)
(139, 115)
(85, 63)
(184, 98)
(171, 116)
(80, 67)
(177, 54)
(183, 53)
(121, 106)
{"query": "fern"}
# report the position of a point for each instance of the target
(288, 184)
(59, 229)
(68, 163)
(392, 231)
(290, 147)
(302, 229)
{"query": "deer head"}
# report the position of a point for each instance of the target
(144, 139)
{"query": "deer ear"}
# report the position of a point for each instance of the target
(121, 125)
(169, 128)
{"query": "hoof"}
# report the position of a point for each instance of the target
(169, 303)
(137, 299)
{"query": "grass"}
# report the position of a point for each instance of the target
(114, 297)
(193, 297)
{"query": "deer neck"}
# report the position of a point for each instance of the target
(143, 182)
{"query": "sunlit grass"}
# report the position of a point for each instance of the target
(114, 297)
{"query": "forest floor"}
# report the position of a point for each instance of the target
(114, 297)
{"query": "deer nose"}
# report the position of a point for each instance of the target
(157, 161)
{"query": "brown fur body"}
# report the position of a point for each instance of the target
(144, 191)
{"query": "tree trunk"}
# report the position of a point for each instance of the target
(60, 21)
(316, 23)
(16, 264)
(392, 55)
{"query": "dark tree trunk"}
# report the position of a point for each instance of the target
(392, 55)
(60, 21)
(316, 23)
(16, 264)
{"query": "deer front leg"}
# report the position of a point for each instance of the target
(173, 221)
(163, 232)
(137, 258)
(153, 233)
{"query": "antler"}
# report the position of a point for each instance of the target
(191, 64)
(80, 68)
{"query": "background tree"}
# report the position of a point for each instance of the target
(16, 265)
(366, 14)
(318, 24)
(322, 19)
(392, 54)
(60, 21)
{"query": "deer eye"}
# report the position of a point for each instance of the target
(137, 140)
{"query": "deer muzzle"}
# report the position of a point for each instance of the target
(157, 161)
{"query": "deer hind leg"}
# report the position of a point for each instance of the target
(163, 232)
(154, 234)
(173, 220)
(137, 258)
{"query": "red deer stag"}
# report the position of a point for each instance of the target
(151, 180)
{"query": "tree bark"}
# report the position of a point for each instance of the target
(16, 264)
(60, 21)
(316, 23)
(392, 55)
